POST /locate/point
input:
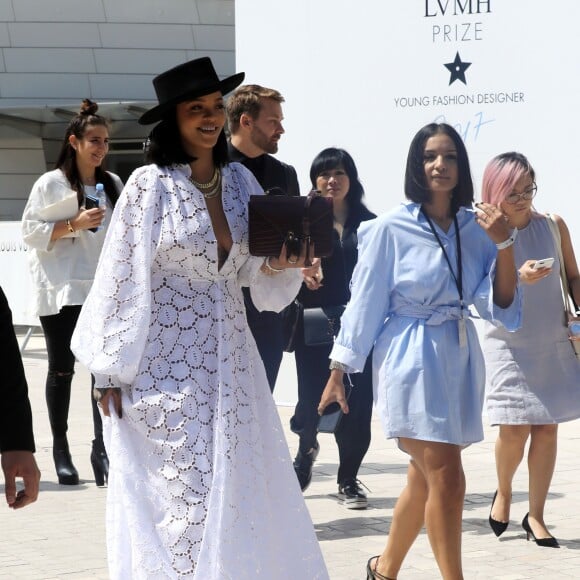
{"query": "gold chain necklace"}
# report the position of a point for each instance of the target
(212, 188)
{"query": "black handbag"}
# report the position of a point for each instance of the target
(278, 219)
(290, 318)
(321, 324)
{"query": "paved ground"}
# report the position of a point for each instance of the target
(62, 535)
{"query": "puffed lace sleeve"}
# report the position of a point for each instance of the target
(269, 292)
(113, 325)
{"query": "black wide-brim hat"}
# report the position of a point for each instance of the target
(185, 82)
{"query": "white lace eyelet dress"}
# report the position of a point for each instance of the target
(201, 483)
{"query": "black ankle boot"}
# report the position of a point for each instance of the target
(65, 470)
(58, 387)
(100, 463)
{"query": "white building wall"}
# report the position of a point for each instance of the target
(66, 50)
(57, 52)
(21, 162)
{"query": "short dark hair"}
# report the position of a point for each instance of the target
(248, 99)
(331, 158)
(164, 146)
(416, 188)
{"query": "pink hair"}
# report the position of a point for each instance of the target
(501, 174)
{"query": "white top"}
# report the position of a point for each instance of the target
(62, 270)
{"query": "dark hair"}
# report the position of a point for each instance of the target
(66, 161)
(331, 158)
(164, 146)
(416, 188)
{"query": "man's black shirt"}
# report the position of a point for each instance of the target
(268, 171)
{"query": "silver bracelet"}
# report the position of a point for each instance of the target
(335, 365)
(507, 243)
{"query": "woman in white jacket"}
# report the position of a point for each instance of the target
(65, 241)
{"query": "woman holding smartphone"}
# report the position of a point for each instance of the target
(65, 241)
(533, 374)
(419, 268)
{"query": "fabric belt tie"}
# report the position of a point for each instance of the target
(433, 316)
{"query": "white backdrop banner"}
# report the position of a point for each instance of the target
(14, 273)
(366, 75)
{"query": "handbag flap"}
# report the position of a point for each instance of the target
(273, 218)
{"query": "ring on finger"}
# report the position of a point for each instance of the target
(292, 261)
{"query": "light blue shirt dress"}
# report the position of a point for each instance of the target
(428, 381)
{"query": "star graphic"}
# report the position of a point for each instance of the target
(457, 69)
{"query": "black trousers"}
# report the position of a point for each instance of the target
(268, 330)
(353, 435)
(58, 330)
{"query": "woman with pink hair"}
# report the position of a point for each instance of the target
(532, 374)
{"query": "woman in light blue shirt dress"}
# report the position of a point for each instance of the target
(420, 267)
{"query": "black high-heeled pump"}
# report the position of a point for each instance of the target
(550, 542)
(498, 527)
(100, 463)
(373, 574)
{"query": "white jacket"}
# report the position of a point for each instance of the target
(62, 270)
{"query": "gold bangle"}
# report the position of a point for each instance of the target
(69, 226)
(268, 269)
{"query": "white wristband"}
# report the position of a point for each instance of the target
(507, 243)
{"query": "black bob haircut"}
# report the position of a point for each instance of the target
(416, 188)
(331, 158)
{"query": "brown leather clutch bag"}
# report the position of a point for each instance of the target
(278, 219)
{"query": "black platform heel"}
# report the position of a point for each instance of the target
(550, 542)
(498, 527)
(100, 463)
(373, 574)
(65, 470)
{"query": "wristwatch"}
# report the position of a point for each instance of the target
(335, 365)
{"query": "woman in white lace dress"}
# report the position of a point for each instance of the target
(201, 484)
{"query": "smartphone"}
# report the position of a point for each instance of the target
(545, 263)
(91, 201)
(330, 420)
